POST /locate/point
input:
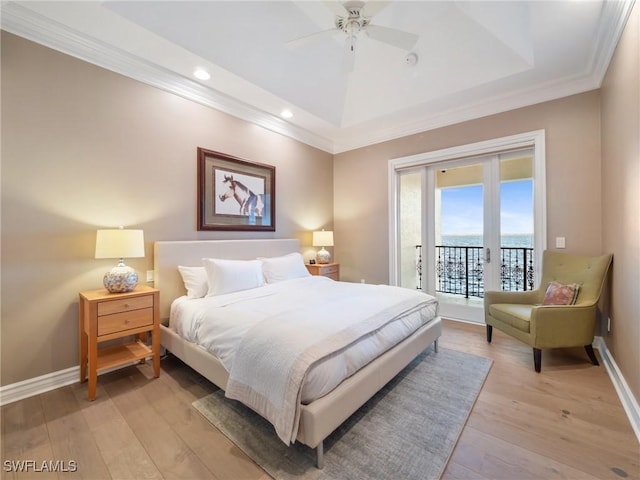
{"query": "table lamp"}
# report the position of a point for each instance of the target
(120, 243)
(323, 239)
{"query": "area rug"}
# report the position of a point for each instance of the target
(407, 430)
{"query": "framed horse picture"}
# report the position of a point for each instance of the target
(234, 194)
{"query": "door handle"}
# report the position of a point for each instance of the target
(487, 255)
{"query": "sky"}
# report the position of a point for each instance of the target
(462, 209)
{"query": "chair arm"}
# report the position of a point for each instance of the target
(562, 325)
(529, 297)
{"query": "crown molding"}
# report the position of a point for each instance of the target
(28, 24)
(608, 36)
(471, 111)
(40, 29)
(615, 12)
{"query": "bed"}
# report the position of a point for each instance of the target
(316, 417)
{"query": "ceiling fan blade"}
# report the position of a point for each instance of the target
(392, 36)
(372, 7)
(336, 7)
(301, 42)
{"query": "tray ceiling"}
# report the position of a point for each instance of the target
(473, 58)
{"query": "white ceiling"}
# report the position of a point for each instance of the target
(474, 58)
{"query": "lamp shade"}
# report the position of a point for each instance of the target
(323, 239)
(119, 243)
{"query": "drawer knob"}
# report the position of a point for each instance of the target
(126, 305)
(127, 321)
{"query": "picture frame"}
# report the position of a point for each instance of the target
(235, 194)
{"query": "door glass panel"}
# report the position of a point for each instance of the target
(516, 221)
(477, 218)
(459, 228)
(410, 226)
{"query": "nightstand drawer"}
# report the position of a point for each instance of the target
(104, 316)
(119, 322)
(329, 269)
(124, 305)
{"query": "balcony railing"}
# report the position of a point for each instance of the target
(460, 270)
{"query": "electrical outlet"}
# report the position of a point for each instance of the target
(560, 242)
(149, 276)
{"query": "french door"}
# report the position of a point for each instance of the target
(465, 223)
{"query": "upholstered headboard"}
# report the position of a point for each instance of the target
(168, 255)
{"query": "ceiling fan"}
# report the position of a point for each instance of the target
(353, 17)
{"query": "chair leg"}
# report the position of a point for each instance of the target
(592, 355)
(537, 359)
(489, 332)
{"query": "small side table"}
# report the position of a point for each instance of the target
(104, 316)
(331, 270)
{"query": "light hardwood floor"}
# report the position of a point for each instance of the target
(565, 423)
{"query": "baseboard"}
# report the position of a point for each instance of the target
(629, 402)
(45, 383)
(34, 386)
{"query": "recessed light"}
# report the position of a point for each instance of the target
(201, 74)
(286, 113)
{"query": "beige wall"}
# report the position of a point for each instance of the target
(572, 127)
(593, 187)
(84, 148)
(621, 198)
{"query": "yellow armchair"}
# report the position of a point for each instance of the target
(522, 315)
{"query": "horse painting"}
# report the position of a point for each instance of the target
(251, 204)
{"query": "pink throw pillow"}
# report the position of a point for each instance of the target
(559, 294)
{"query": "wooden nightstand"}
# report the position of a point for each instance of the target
(104, 316)
(331, 270)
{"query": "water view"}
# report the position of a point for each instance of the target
(517, 240)
(460, 264)
(460, 249)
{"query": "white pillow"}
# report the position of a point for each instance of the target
(195, 281)
(286, 267)
(227, 276)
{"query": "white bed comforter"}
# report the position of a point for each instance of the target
(315, 330)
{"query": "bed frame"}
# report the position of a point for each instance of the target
(319, 418)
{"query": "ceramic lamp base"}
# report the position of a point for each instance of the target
(323, 256)
(120, 279)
